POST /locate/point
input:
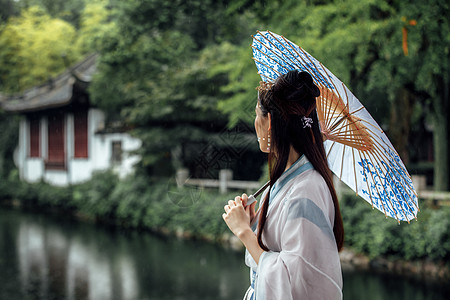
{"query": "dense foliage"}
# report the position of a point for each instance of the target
(370, 232)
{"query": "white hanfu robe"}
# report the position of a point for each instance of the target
(303, 261)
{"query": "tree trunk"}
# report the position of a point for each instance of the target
(400, 122)
(441, 140)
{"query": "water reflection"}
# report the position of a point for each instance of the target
(61, 259)
(43, 257)
(54, 264)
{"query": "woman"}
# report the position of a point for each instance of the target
(292, 241)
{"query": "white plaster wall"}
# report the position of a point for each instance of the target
(35, 168)
(104, 152)
(78, 169)
(56, 177)
(99, 152)
(129, 144)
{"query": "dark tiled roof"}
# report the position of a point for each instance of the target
(55, 93)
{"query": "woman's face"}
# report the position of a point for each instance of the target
(262, 127)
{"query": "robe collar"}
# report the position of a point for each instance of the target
(301, 165)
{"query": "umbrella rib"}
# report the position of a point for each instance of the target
(342, 162)
(292, 61)
(331, 147)
(380, 154)
(336, 124)
(354, 170)
(387, 145)
(321, 107)
(350, 142)
(326, 72)
(302, 65)
(347, 130)
(315, 69)
(367, 181)
(376, 187)
(266, 55)
(386, 191)
(387, 157)
(264, 45)
(269, 79)
(267, 67)
(345, 137)
(354, 119)
(350, 134)
(398, 165)
(354, 112)
(314, 72)
(293, 64)
(377, 127)
(339, 114)
(396, 182)
(350, 130)
(327, 111)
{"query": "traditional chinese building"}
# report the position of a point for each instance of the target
(62, 137)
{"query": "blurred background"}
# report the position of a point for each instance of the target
(126, 125)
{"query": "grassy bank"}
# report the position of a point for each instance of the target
(158, 205)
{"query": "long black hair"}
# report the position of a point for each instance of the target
(290, 100)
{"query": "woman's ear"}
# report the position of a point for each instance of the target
(270, 121)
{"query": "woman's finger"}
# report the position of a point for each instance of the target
(226, 208)
(244, 198)
(231, 203)
(238, 201)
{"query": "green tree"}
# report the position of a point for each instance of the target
(67, 10)
(420, 76)
(157, 73)
(95, 26)
(33, 48)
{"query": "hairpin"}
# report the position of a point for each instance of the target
(307, 122)
(264, 86)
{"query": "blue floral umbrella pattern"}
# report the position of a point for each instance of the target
(358, 151)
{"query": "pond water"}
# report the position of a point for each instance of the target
(52, 257)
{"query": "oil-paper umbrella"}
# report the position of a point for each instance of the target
(358, 151)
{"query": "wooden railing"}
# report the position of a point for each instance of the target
(436, 198)
(226, 182)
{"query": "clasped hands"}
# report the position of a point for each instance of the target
(238, 215)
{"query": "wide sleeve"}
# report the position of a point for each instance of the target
(307, 266)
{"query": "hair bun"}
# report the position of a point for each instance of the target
(306, 79)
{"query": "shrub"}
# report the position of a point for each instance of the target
(369, 232)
